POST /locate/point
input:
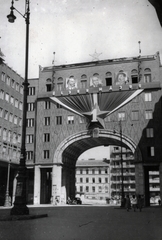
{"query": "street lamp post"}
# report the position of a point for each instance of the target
(121, 161)
(20, 207)
(7, 196)
(122, 185)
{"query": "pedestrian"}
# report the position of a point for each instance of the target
(127, 203)
(134, 202)
(140, 203)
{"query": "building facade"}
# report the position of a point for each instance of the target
(11, 97)
(93, 179)
(76, 107)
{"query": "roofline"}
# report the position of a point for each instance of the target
(99, 62)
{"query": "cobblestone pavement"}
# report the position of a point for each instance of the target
(84, 223)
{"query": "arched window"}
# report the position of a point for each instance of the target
(134, 76)
(96, 75)
(108, 79)
(48, 85)
(60, 79)
(147, 75)
(83, 81)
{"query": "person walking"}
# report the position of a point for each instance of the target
(127, 203)
(140, 203)
(134, 202)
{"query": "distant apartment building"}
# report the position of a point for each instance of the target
(93, 179)
(129, 178)
(116, 173)
(11, 104)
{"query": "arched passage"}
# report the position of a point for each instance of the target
(71, 148)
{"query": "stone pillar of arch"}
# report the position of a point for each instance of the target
(56, 183)
(139, 177)
(37, 185)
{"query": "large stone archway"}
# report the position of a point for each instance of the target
(72, 147)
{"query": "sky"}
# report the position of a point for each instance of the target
(75, 29)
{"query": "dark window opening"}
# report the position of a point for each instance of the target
(108, 81)
(49, 87)
(134, 79)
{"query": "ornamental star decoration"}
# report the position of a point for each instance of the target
(95, 56)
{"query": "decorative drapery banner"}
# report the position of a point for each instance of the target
(121, 78)
(71, 83)
(96, 106)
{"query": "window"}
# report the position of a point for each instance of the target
(87, 180)
(59, 86)
(148, 97)
(106, 180)
(106, 171)
(46, 154)
(29, 155)
(8, 81)
(100, 189)
(46, 137)
(47, 121)
(87, 189)
(58, 120)
(21, 89)
(47, 104)
(99, 180)
(135, 115)
(147, 75)
(31, 91)
(0, 131)
(48, 87)
(30, 107)
(10, 117)
(83, 81)
(15, 119)
(12, 100)
(87, 171)
(20, 105)
(30, 122)
(93, 171)
(81, 188)
(134, 76)
(20, 122)
(149, 132)
(108, 79)
(81, 171)
(16, 103)
(81, 180)
(70, 119)
(12, 83)
(121, 116)
(93, 189)
(19, 138)
(3, 76)
(93, 180)
(148, 114)
(150, 151)
(17, 87)
(29, 138)
(7, 97)
(4, 134)
(1, 94)
(6, 115)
